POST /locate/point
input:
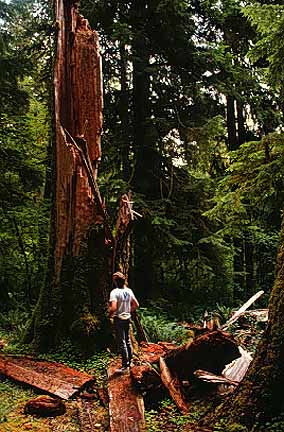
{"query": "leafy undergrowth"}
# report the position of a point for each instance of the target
(166, 417)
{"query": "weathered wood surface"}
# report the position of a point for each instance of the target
(126, 407)
(238, 368)
(88, 418)
(78, 109)
(54, 378)
(45, 406)
(212, 378)
(242, 309)
(151, 352)
(174, 387)
(210, 352)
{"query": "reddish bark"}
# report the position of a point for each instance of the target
(126, 407)
(54, 378)
(78, 108)
(45, 406)
(210, 352)
(73, 300)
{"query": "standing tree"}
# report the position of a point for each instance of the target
(73, 298)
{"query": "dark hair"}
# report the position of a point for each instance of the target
(119, 282)
(118, 279)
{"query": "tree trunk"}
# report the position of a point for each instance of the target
(72, 300)
(231, 123)
(241, 123)
(123, 112)
(260, 396)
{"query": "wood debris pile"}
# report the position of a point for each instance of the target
(215, 357)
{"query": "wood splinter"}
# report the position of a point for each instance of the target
(173, 385)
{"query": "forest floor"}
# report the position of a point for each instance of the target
(161, 413)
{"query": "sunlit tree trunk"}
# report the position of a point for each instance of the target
(71, 301)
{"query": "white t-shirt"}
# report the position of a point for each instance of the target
(123, 296)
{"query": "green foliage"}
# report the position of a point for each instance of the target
(235, 427)
(268, 19)
(159, 328)
(166, 417)
(24, 135)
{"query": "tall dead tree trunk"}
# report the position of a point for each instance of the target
(73, 299)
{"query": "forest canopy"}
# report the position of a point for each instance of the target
(145, 137)
(192, 125)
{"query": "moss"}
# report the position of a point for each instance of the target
(236, 427)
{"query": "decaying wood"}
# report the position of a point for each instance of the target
(232, 374)
(78, 102)
(174, 386)
(54, 378)
(151, 352)
(87, 416)
(261, 315)
(45, 406)
(210, 352)
(146, 378)
(81, 146)
(242, 309)
(141, 335)
(124, 225)
(212, 378)
(126, 407)
(237, 369)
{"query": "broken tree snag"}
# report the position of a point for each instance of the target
(122, 247)
(78, 109)
(72, 302)
(174, 387)
(126, 406)
(54, 378)
(210, 352)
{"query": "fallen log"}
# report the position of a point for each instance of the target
(232, 374)
(126, 406)
(151, 352)
(174, 386)
(237, 369)
(210, 352)
(54, 378)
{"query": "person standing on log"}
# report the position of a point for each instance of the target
(122, 302)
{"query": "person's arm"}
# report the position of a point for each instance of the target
(134, 304)
(112, 308)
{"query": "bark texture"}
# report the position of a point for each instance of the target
(77, 276)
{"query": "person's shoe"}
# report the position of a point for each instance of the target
(122, 370)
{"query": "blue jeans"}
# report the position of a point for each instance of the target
(122, 335)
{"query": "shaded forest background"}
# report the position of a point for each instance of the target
(193, 113)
